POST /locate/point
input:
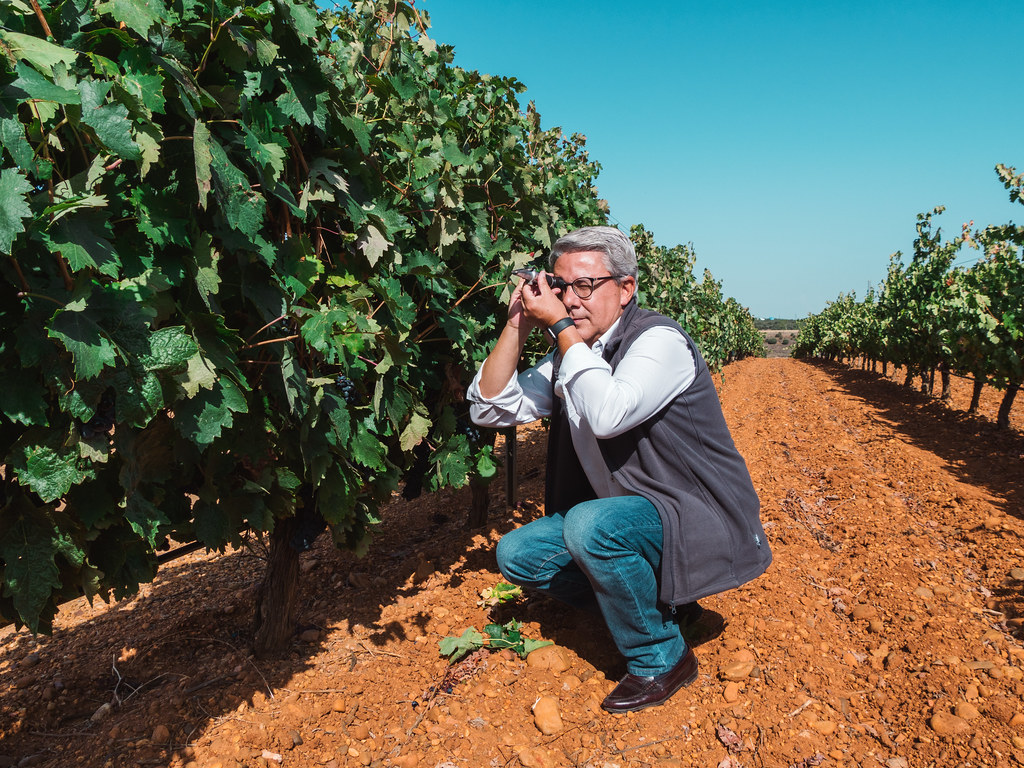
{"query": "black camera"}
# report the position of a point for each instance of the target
(531, 275)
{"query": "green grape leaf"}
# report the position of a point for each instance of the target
(41, 54)
(14, 189)
(171, 348)
(138, 15)
(109, 121)
(80, 239)
(529, 646)
(366, 449)
(30, 574)
(203, 418)
(12, 138)
(414, 432)
(144, 517)
(49, 473)
(373, 244)
(91, 349)
(457, 647)
(203, 154)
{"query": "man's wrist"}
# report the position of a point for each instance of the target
(557, 327)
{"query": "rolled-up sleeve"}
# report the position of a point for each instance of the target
(526, 398)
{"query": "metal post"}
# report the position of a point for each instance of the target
(511, 487)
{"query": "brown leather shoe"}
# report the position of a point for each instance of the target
(636, 692)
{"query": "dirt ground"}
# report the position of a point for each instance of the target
(886, 633)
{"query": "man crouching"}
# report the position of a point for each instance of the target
(649, 506)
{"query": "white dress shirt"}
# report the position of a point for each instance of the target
(657, 367)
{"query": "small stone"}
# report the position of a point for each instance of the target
(296, 738)
(161, 734)
(875, 626)
(1000, 708)
(339, 705)
(571, 682)
(825, 727)
(271, 756)
(945, 724)
(966, 711)
(1017, 720)
(924, 592)
(971, 692)
(358, 580)
(537, 757)
(732, 692)
(552, 657)
(863, 611)
(101, 712)
(24, 682)
(31, 660)
(359, 731)
(546, 716)
(310, 636)
(897, 762)
(1017, 573)
(1018, 742)
(737, 670)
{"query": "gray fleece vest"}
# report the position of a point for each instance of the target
(683, 460)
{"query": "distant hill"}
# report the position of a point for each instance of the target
(778, 324)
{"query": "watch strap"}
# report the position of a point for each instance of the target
(558, 327)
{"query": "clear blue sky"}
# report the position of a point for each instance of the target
(792, 143)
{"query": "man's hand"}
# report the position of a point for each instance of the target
(516, 315)
(540, 304)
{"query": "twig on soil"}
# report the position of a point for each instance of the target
(382, 653)
(72, 735)
(113, 666)
(270, 690)
(153, 680)
(200, 686)
(801, 708)
(686, 732)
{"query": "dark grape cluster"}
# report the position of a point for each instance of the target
(347, 387)
(468, 429)
(102, 421)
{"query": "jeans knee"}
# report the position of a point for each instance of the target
(582, 537)
(515, 565)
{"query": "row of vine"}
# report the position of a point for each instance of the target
(937, 314)
(253, 254)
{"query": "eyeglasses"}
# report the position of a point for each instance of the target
(583, 286)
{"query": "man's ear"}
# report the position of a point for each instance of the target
(627, 290)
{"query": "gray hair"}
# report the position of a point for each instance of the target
(619, 254)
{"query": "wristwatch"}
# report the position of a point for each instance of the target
(558, 327)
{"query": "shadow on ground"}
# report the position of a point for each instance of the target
(180, 649)
(975, 450)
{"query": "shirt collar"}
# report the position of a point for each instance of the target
(598, 347)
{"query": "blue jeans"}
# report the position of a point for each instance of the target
(602, 554)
